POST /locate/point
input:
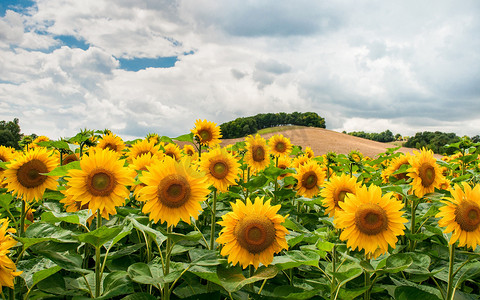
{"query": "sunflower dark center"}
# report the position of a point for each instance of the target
(467, 215)
(427, 174)
(340, 197)
(258, 153)
(255, 233)
(219, 169)
(205, 135)
(111, 146)
(309, 180)
(101, 183)
(371, 219)
(2, 159)
(190, 152)
(69, 158)
(142, 153)
(28, 174)
(280, 147)
(401, 175)
(174, 191)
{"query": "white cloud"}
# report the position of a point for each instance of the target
(372, 66)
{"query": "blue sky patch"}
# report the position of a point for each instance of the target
(15, 5)
(72, 42)
(137, 64)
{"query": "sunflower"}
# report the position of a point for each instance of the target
(153, 137)
(173, 151)
(370, 221)
(279, 145)
(173, 191)
(284, 162)
(425, 172)
(461, 215)
(220, 167)
(257, 155)
(300, 161)
(142, 147)
(24, 175)
(309, 152)
(355, 156)
(206, 133)
(6, 155)
(69, 158)
(101, 183)
(7, 266)
(309, 178)
(71, 205)
(112, 142)
(252, 233)
(394, 166)
(139, 165)
(189, 150)
(335, 191)
(39, 139)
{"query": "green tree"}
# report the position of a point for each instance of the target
(10, 133)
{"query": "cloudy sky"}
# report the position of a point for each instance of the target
(138, 67)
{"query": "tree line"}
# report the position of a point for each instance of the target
(10, 134)
(244, 126)
(384, 137)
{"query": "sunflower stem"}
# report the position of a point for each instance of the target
(412, 225)
(168, 251)
(98, 276)
(334, 269)
(214, 211)
(366, 295)
(276, 182)
(451, 274)
(22, 219)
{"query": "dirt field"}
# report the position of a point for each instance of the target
(323, 140)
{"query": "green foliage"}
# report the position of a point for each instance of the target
(241, 127)
(384, 137)
(10, 133)
(435, 141)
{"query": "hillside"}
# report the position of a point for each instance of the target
(323, 140)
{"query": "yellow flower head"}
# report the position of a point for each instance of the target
(335, 191)
(220, 167)
(173, 191)
(279, 145)
(257, 155)
(7, 266)
(112, 142)
(252, 233)
(101, 183)
(394, 166)
(461, 215)
(309, 179)
(173, 151)
(425, 172)
(24, 175)
(370, 221)
(207, 133)
(142, 147)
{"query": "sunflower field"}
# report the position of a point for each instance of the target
(94, 216)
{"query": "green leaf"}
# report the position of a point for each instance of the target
(115, 284)
(140, 296)
(325, 246)
(296, 258)
(166, 139)
(292, 292)
(36, 269)
(256, 182)
(272, 172)
(42, 232)
(4, 164)
(100, 236)
(410, 292)
(192, 236)
(156, 235)
(53, 195)
(397, 262)
(232, 279)
(63, 170)
(345, 276)
(185, 138)
(5, 200)
(126, 230)
(68, 261)
(79, 217)
(144, 274)
(203, 257)
(54, 284)
(292, 239)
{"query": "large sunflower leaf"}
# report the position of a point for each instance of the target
(185, 138)
(63, 170)
(36, 269)
(232, 279)
(411, 292)
(100, 236)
